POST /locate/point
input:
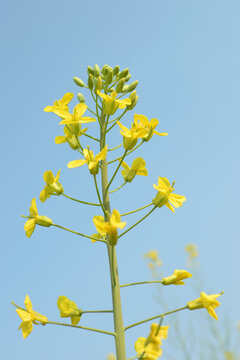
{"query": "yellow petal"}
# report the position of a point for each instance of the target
(125, 166)
(142, 118)
(29, 227)
(66, 98)
(79, 110)
(76, 163)
(48, 177)
(139, 345)
(60, 139)
(176, 200)
(115, 220)
(26, 327)
(24, 315)
(160, 134)
(102, 155)
(170, 207)
(28, 303)
(33, 208)
(123, 103)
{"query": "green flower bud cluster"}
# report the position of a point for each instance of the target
(109, 79)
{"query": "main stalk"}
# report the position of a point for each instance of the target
(112, 257)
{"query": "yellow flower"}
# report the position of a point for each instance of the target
(34, 219)
(208, 302)
(130, 136)
(61, 105)
(91, 160)
(109, 228)
(71, 132)
(150, 347)
(176, 278)
(77, 116)
(137, 168)
(68, 308)
(165, 196)
(53, 185)
(151, 351)
(191, 250)
(157, 336)
(29, 317)
(152, 255)
(149, 126)
(111, 104)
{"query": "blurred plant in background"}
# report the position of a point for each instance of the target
(206, 341)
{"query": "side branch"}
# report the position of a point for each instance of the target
(155, 317)
(142, 282)
(138, 222)
(77, 233)
(80, 201)
(81, 327)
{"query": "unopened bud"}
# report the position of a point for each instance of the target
(125, 88)
(134, 98)
(98, 85)
(120, 85)
(96, 70)
(81, 98)
(90, 70)
(78, 81)
(123, 73)
(90, 81)
(116, 70)
(132, 86)
(128, 77)
(109, 76)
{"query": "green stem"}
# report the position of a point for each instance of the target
(142, 282)
(138, 222)
(77, 233)
(118, 188)
(81, 327)
(116, 147)
(98, 194)
(91, 137)
(115, 173)
(117, 119)
(141, 208)
(92, 111)
(156, 317)
(96, 311)
(80, 201)
(129, 152)
(112, 257)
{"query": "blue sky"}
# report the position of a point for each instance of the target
(185, 55)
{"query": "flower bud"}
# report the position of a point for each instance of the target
(96, 70)
(90, 70)
(109, 77)
(120, 85)
(78, 81)
(98, 85)
(81, 98)
(132, 86)
(125, 88)
(90, 81)
(123, 73)
(116, 70)
(134, 98)
(128, 77)
(105, 70)
(129, 143)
